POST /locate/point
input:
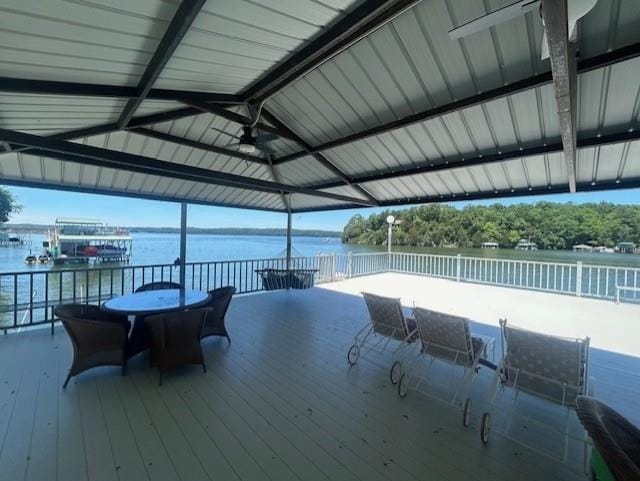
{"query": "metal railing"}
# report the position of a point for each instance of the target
(27, 298)
(95, 285)
(579, 279)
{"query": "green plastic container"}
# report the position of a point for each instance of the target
(599, 467)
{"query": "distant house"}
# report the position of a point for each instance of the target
(626, 247)
(490, 245)
(526, 245)
(582, 248)
(604, 250)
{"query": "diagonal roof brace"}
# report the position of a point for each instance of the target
(177, 29)
(86, 154)
(562, 53)
(362, 21)
(319, 157)
(234, 117)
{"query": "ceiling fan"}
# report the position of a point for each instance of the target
(576, 9)
(250, 141)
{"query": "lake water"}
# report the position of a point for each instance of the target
(57, 284)
(152, 248)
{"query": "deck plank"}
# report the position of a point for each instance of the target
(70, 448)
(209, 452)
(43, 461)
(252, 457)
(152, 450)
(278, 416)
(126, 453)
(101, 465)
(14, 456)
(186, 463)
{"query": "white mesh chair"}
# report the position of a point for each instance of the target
(447, 339)
(388, 330)
(550, 368)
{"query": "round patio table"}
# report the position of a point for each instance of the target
(147, 303)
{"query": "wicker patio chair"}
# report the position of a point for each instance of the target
(217, 309)
(99, 338)
(176, 339)
(140, 339)
(615, 439)
(445, 338)
(388, 329)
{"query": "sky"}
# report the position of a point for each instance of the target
(43, 206)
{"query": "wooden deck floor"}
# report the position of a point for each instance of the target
(280, 403)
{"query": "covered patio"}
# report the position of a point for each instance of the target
(296, 107)
(279, 403)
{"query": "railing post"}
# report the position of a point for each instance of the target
(333, 266)
(349, 272)
(458, 267)
(579, 279)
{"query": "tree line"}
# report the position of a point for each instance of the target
(550, 225)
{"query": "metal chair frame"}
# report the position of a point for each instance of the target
(420, 361)
(499, 386)
(367, 341)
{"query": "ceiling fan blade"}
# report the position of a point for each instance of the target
(266, 149)
(494, 18)
(224, 133)
(264, 138)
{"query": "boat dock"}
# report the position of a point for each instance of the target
(81, 241)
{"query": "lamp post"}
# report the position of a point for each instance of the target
(390, 221)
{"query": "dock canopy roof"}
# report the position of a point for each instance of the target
(353, 104)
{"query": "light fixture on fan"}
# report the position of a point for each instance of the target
(248, 142)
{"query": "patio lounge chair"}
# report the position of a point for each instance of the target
(550, 368)
(445, 338)
(176, 339)
(388, 327)
(616, 441)
(140, 339)
(217, 309)
(98, 337)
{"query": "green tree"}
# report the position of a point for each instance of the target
(8, 205)
(551, 226)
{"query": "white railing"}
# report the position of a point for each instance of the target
(26, 298)
(578, 279)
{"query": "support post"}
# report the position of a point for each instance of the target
(458, 266)
(579, 279)
(289, 239)
(183, 244)
(349, 265)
